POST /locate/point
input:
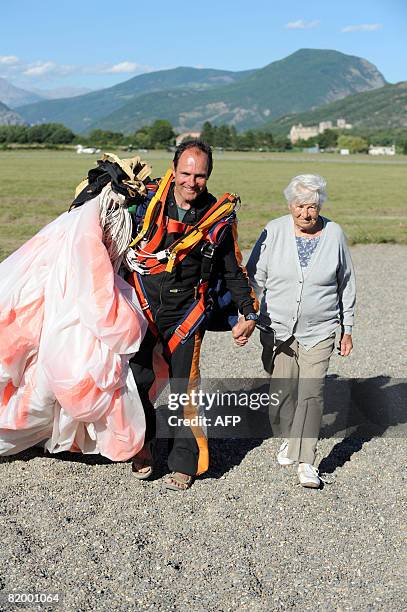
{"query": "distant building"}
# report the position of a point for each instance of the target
(344, 151)
(186, 136)
(382, 150)
(324, 125)
(342, 125)
(301, 132)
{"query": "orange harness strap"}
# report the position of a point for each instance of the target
(144, 303)
(191, 321)
(192, 236)
(156, 239)
(175, 227)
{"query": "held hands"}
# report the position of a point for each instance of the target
(242, 331)
(345, 345)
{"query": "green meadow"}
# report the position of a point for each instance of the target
(367, 196)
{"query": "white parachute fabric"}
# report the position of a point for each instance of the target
(68, 327)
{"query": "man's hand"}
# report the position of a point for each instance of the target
(345, 345)
(242, 331)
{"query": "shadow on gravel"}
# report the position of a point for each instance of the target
(362, 409)
(356, 410)
(224, 455)
(33, 453)
(227, 454)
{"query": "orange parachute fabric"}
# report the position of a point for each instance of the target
(68, 327)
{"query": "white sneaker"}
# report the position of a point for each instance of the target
(282, 458)
(308, 476)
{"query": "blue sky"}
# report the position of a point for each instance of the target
(95, 43)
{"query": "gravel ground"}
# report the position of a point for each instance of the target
(246, 536)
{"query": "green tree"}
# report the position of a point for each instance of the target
(103, 137)
(15, 133)
(61, 135)
(51, 133)
(223, 137)
(282, 144)
(306, 144)
(161, 134)
(328, 139)
(208, 133)
(265, 140)
(141, 139)
(233, 137)
(355, 144)
(247, 141)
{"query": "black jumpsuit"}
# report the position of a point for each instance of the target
(169, 296)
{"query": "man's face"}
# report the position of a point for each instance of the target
(191, 175)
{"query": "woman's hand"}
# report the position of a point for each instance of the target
(346, 345)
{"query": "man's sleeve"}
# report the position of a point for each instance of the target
(346, 285)
(229, 264)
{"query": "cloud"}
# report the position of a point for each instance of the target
(122, 67)
(300, 24)
(9, 60)
(363, 27)
(42, 69)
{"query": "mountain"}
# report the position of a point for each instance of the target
(189, 96)
(9, 117)
(15, 96)
(384, 108)
(82, 111)
(61, 92)
(304, 80)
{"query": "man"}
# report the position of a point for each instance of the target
(169, 296)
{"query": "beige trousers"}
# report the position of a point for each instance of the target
(299, 378)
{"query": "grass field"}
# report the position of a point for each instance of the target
(368, 197)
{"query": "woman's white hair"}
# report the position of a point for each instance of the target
(306, 189)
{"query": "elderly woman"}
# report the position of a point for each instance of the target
(302, 273)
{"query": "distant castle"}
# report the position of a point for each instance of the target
(299, 132)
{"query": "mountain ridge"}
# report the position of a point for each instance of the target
(13, 96)
(103, 102)
(304, 79)
(9, 116)
(187, 97)
(382, 108)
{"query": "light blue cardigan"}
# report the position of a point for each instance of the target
(309, 303)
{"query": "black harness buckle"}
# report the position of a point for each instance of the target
(208, 249)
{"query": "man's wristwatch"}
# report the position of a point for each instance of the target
(252, 316)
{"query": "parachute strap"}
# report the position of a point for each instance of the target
(158, 200)
(181, 247)
(224, 207)
(217, 233)
(175, 227)
(191, 321)
(137, 283)
(211, 230)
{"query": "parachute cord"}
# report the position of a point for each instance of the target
(116, 225)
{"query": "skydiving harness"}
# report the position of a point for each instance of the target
(210, 230)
